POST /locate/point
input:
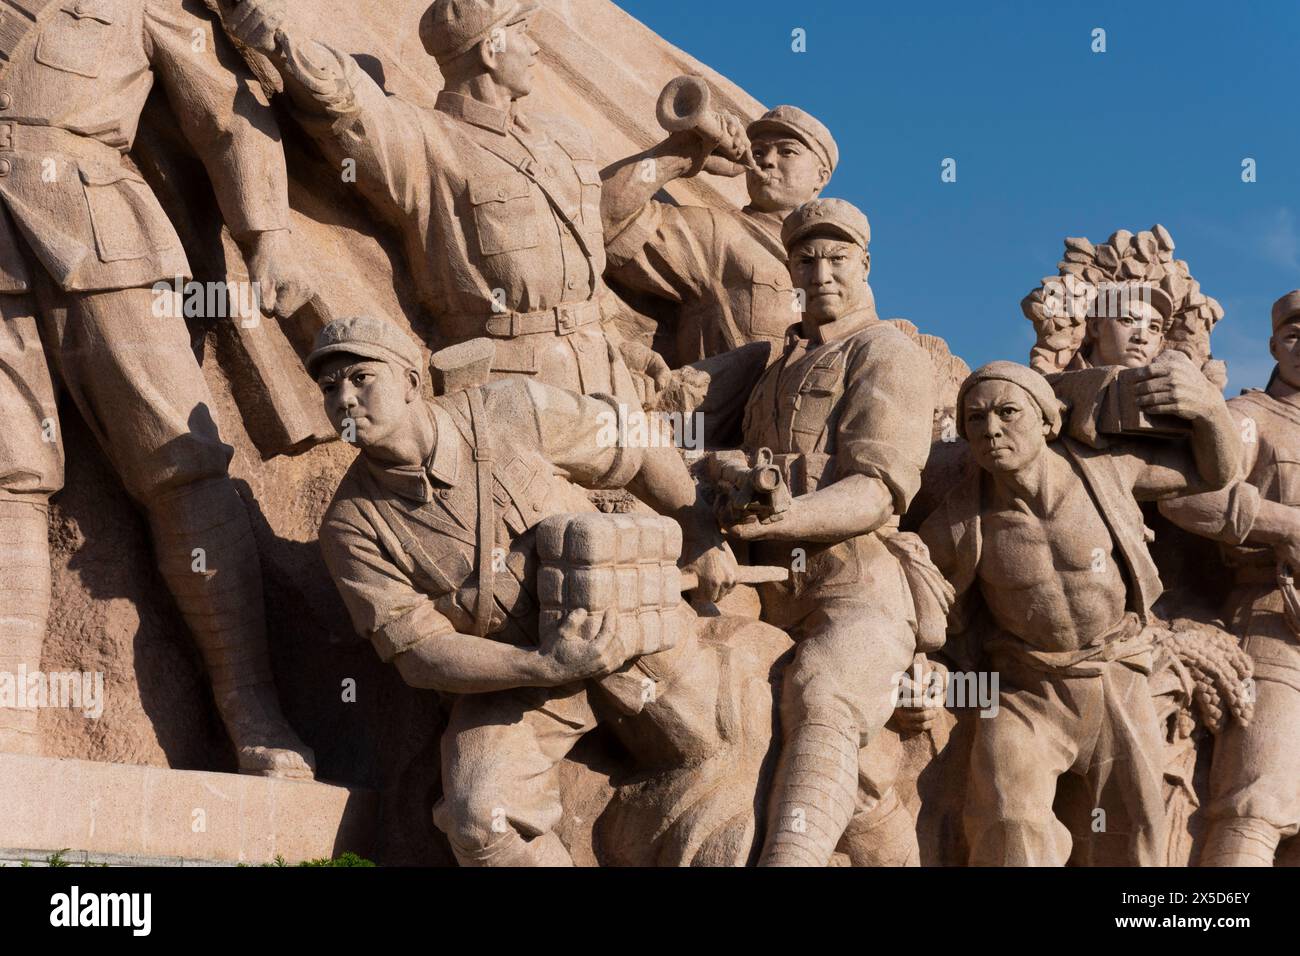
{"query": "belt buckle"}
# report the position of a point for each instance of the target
(566, 319)
(6, 137)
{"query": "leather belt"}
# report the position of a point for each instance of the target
(24, 138)
(560, 320)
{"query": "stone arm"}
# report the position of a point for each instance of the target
(581, 436)
(344, 110)
(235, 136)
(630, 184)
(408, 630)
(882, 442)
(1237, 514)
(1174, 386)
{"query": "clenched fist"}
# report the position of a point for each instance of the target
(255, 23)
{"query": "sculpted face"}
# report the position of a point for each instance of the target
(1131, 340)
(1285, 347)
(510, 58)
(1004, 426)
(373, 395)
(832, 273)
(795, 173)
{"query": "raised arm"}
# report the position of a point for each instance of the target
(345, 110)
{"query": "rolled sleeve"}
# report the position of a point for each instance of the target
(887, 414)
(667, 251)
(352, 118)
(381, 600)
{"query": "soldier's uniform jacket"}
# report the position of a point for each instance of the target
(71, 91)
(499, 211)
(726, 268)
(859, 401)
(401, 543)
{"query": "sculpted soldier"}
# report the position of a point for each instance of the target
(726, 268)
(499, 210)
(1255, 780)
(1049, 532)
(431, 542)
(846, 412)
(82, 240)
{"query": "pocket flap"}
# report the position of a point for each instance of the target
(101, 10)
(500, 189)
(770, 274)
(103, 175)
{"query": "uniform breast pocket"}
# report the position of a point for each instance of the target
(771, 301)
(77, 38)
(504, 216)
(123, 213)
(1288, 477)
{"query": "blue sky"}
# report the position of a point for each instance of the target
(1050, 139)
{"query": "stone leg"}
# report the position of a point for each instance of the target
(135, 380)
(500, 757)
(1255, 782)
(1016, 758)
(835, 697)
(1124, 777)
(31, 469)
(882, 831)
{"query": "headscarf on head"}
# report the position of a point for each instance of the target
(1030, 381)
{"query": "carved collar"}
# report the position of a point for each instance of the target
(474, 112)
(415, 482)
(839, 328)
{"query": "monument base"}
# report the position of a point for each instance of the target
(147, 816)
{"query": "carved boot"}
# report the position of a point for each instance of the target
(24, 609)
(1240, 841)
(206, 552)
(813, 798)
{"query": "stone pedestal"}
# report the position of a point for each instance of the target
(150, 815)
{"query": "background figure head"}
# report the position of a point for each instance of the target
(826, 241)
(1008, 413)
(1127, 325)
(1285, 343)
(369, 374)
(483, 45)
(796, 153)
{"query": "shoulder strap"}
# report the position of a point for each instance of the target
(525, 167)
(19, 20)
(486, 511)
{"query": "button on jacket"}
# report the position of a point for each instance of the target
(73, 93)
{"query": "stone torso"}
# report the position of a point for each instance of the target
(1051, 579)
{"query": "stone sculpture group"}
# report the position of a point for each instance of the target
(761, 630)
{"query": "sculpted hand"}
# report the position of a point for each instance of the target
(717, 570)
(255, 23)
(734, 144)
(752, 527)
(584, 645)
(921, 702)
(273, 266)
(650, 373)
(1172, 385)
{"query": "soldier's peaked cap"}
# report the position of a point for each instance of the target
(1286, 308)
(367, 337)
(826, 215)
(450, 27)
(804, 126)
